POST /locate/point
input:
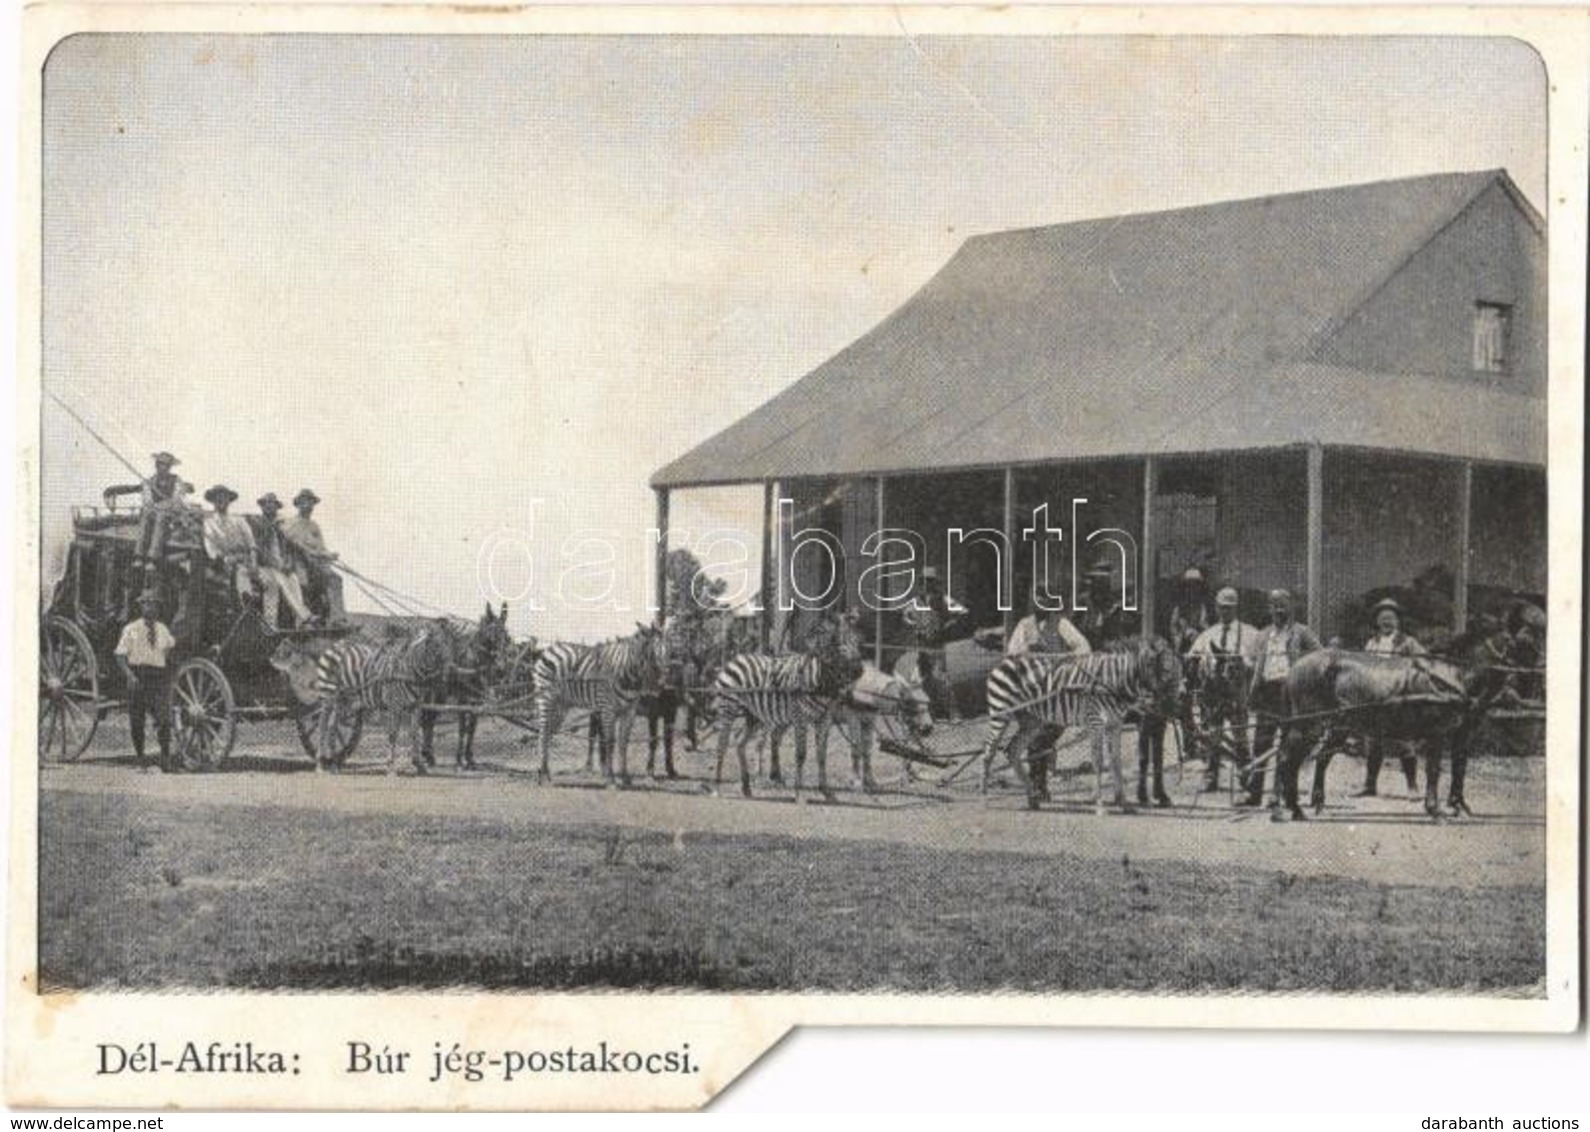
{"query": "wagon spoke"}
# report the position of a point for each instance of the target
(52, 714)
(69, 667)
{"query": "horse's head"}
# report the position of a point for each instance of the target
(488, 647)
(1526, 628)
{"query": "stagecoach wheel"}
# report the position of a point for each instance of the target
(203, 720)
(345, 729)
(69, 707)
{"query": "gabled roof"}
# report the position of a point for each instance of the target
(1137, 335)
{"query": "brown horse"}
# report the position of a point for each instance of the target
(1438, 699)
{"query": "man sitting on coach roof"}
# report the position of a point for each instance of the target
(315, 560)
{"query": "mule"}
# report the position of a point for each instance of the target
(1438, 699)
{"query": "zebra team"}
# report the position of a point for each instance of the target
(1031, 698)
(404, 680)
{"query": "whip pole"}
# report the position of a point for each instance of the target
(108, 446)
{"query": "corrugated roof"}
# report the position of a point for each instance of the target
(1179, 331)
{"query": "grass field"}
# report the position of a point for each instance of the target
(140, 892)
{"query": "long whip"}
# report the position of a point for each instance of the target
(108, 446)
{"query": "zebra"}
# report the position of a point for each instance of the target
(779, 692)
(606, 680)
(1094, 690)
(394, 677)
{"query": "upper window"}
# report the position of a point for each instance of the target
(1493, 332)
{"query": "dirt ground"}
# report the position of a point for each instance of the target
(1386, 839)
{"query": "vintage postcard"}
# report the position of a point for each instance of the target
(558, 545)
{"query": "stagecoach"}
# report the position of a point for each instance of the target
(222, 672)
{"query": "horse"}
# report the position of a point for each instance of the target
(1441, 699)
(1041, 693)
(879, 695)
(479, 656)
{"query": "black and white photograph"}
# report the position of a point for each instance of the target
(915, 514)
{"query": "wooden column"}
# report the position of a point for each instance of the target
(1460, 578)
(1316, 537)
(769, 590)
(877, 605)
(1009, 564)
(662, 551)
(1148, 568)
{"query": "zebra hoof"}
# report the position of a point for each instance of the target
(1459, 808)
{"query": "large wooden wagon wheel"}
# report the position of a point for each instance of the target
(69, 707)
(345, 729)
(203, 715)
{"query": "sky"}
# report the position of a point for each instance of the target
(475, 290)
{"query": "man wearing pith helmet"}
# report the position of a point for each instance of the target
(1279, 646)
(1390, 640)
(1221, 662)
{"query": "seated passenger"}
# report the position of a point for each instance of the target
(228, 540)
(275, 570)
(164, 497)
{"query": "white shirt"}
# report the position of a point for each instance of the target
(1235, 639)
(136, 647)
(1027, 637)
(229, 538)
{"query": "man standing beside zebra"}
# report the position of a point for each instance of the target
(1278, 648)
(1220, 664)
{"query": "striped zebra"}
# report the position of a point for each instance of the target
(780, 692)
(389, 677)
(1092, 690)
(606, 680)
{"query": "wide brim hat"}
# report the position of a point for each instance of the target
(1281, 595)
(166, 458)
(1228, 596)
(1387, 603)
(220, 492)
(1192, 574)
(305, 496)
(269, 499)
